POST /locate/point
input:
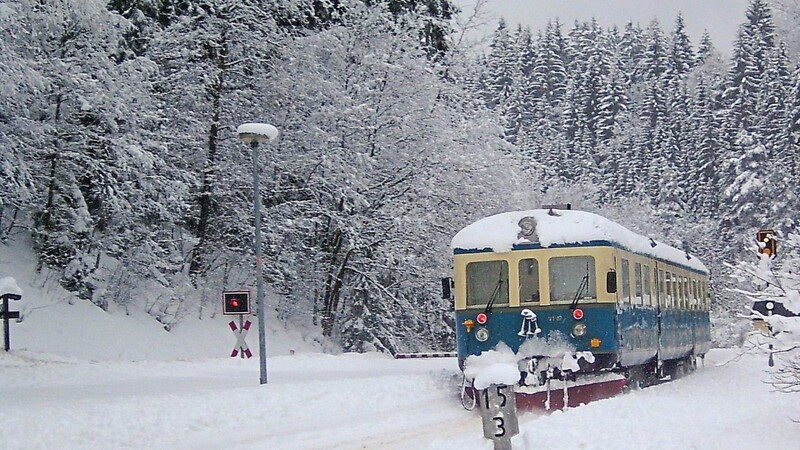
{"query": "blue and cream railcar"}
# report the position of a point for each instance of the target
(569, 286)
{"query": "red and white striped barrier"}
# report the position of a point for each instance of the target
(425, 355)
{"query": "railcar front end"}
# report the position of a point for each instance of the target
(546, 306)
(584, 304)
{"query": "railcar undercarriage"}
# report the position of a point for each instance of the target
(545, 386)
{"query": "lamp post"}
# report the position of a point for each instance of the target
(253, 134)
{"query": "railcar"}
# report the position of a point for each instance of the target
(586, 305)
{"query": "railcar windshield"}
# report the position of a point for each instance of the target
(483, 279)
(567, 274)
(528, 280)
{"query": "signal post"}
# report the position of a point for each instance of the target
(498, 406)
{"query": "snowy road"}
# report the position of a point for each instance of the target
(315, 401)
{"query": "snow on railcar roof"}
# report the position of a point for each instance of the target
(501, 232)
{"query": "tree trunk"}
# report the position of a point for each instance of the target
(197, 267)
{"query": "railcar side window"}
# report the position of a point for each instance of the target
(662, 293)
(626, 281)
(567, 274)
(669, 286)
(647, 297)
(528, 281)
(685, 293)
(681, 298)
(486, 279)
(638, 279)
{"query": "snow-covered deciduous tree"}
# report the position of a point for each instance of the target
(373, 144)
(213, 58)
(80, 131)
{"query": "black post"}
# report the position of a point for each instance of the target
(6, 316)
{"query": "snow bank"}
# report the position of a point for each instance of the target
(498, 366)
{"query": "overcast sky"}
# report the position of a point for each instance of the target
(720, 17)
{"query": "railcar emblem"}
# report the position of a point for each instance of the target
(530, 323)
(527, 229)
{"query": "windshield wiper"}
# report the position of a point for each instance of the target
(494, 296)
(581, 288)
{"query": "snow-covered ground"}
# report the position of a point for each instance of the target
(81, 378)
(316, 401)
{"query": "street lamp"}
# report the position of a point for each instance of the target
(253, 134)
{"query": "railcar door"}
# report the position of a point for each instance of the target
(658, 274)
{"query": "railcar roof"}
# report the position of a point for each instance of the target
(502, 232)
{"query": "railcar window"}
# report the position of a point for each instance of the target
(638, 280)
(670, 290)
(686, 293)
(700, 304)
(529, 281)
(662, 292)
(695, 297)
(626, 281)
(566, 276)
(647, 297)
(681, 294)
(483, 279)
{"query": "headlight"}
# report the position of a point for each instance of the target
(482, 334)
(579, 329)
(770, 305)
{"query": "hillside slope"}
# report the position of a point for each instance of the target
(55, 322)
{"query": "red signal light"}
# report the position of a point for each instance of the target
(577, 314)
(482, 318)
(236, 303)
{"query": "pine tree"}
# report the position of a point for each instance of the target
(631, 52)
(681, 55)
(754, 42)
(655, 57)
(500, 64)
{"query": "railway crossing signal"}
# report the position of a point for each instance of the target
(235, 303)
(241, 345)
(767, 245)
